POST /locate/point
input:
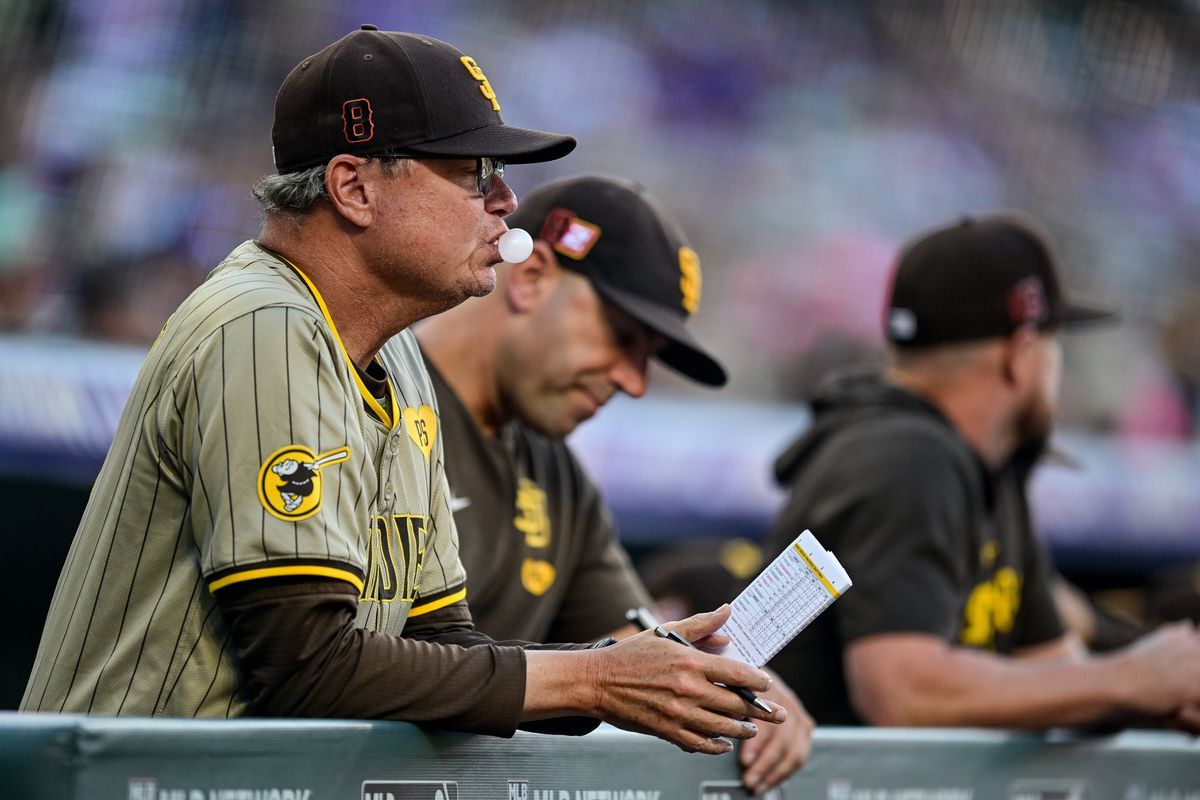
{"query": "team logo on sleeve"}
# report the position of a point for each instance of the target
(289, 482)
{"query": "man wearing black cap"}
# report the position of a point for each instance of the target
(917, 482)
(271, 532)
(610, 284)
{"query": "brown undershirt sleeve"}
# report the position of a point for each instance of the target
(301, 655)
(453, 625)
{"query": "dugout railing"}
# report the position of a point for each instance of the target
(53, 757)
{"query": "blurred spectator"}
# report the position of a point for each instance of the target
(129, 301)
(1163, 395)
(799, 142)
(24, 246)
(1181, 345)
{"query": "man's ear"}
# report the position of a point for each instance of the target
(350, 188)
(530, 282)
(1019, 358)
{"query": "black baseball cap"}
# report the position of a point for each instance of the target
(982, 277)
(376, 91)
(615, 234)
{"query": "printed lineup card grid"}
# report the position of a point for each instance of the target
(789, 594)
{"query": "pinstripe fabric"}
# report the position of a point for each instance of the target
(247, 381)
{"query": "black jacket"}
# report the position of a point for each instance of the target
(934, 542)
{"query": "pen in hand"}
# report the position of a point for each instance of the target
(645, 620)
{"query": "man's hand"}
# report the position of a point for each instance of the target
(1186, 718)
(653, 685)
(1162, 673)
(778, 750)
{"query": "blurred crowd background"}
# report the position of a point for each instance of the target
(799, 143)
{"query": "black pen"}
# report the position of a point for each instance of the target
(645, 620)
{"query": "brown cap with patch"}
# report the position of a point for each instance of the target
(614, 233)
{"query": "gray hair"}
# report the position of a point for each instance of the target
(295, 193)
(292, 194)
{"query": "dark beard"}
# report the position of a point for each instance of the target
(1033, 427)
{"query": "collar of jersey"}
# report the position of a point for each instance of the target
(388, 419)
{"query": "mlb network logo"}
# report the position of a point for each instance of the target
(409, 790)
(518, 789)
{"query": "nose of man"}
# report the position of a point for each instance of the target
(501, 199)
(629, 374)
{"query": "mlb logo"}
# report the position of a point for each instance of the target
(518, 789)
(410, 790)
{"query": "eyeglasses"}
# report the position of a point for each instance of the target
(486, 169)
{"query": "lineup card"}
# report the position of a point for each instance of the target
(797, 586)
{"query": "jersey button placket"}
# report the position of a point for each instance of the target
(385, 476)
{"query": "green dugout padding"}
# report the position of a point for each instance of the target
(50, 757)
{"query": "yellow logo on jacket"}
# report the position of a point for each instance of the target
(532, 518)
(991, 609)
(537, 576)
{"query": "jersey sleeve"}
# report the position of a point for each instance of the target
(604, 585)
(890, 508)
(270, 451)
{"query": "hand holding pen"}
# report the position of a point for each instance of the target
(645, 620)
(778, 750)
(647, 684)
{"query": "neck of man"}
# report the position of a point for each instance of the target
(972, 407)
(366, 311)
(463, 344)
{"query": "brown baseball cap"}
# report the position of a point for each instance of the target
(981, 277)
(375, 91)
(614, 233)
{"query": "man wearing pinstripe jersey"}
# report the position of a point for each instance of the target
(270, 533)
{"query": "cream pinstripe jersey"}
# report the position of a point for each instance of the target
(249, 448)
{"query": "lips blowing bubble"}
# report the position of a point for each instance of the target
(515, 246)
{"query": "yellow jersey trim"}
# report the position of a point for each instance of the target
(441, 602)
(388, 419)
(817, 571)
(300, 569)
